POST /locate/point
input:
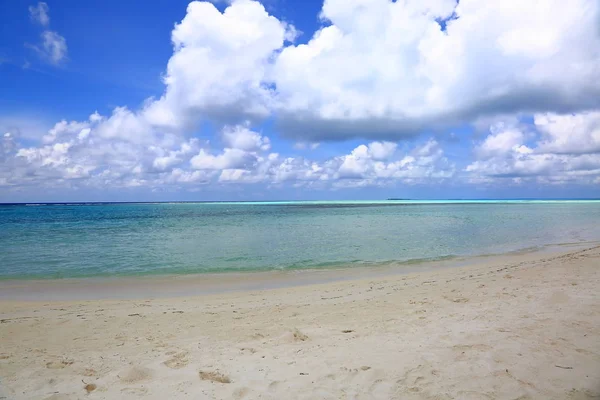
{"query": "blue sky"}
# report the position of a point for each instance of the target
(117, 53)
(356, 99)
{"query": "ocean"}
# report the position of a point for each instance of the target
(45, 241)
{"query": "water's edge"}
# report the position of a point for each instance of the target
(416, 263)
(164, 286)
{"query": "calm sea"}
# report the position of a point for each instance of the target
(57, 241)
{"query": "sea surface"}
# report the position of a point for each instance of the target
(87, 240)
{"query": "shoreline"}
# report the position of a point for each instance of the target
(198, 284)
(524, 326)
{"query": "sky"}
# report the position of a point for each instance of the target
(106, 100)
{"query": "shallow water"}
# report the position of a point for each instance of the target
(55, 241)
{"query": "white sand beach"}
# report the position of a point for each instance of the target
(514, 327)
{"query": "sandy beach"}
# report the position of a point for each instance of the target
(523, 326)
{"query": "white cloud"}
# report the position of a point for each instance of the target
(242, 148)
(166, 160)
(219, 63)
(566, 150)
(114, 151)
(387, 69)
(502, 141)
(53, 46)
(424, 163)
(179, 175)
(55, 155)
(382, 150)
(240, 137)
(229, 159)
(125, 125)
(538, 167)
(359, 168)
(102, 151)
(380, 70)
(64, 129)
(356, 164)
(40, 13)
(299, 170)
(572, 133)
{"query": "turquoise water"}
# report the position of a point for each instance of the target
(56, 241)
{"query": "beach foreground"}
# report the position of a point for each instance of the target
(519, 327)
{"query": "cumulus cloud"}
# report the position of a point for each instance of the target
(571, 133)
(381, 150)
(242, 148)
(240, 137)
(229, 159)
(114, 151)
(388, 68)
(564, 149)
(363, 166)
(379, 70)
(219, 64)
(101, 151)
(502, 141)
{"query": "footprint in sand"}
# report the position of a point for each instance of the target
(178, 361)
(586, 352)
(464, 351)
(295, 335)
(416, 380)
(457, 299)
(58, 364)
(381, 389)
(245, 350)
(136, 374)
(477, 347)
(299, 336)
(241, 393)
(135, 391)
(88, 372)
(214, 376)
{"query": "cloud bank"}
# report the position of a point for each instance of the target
(382, 69)
(385, 72)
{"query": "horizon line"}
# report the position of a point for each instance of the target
(298, 201)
